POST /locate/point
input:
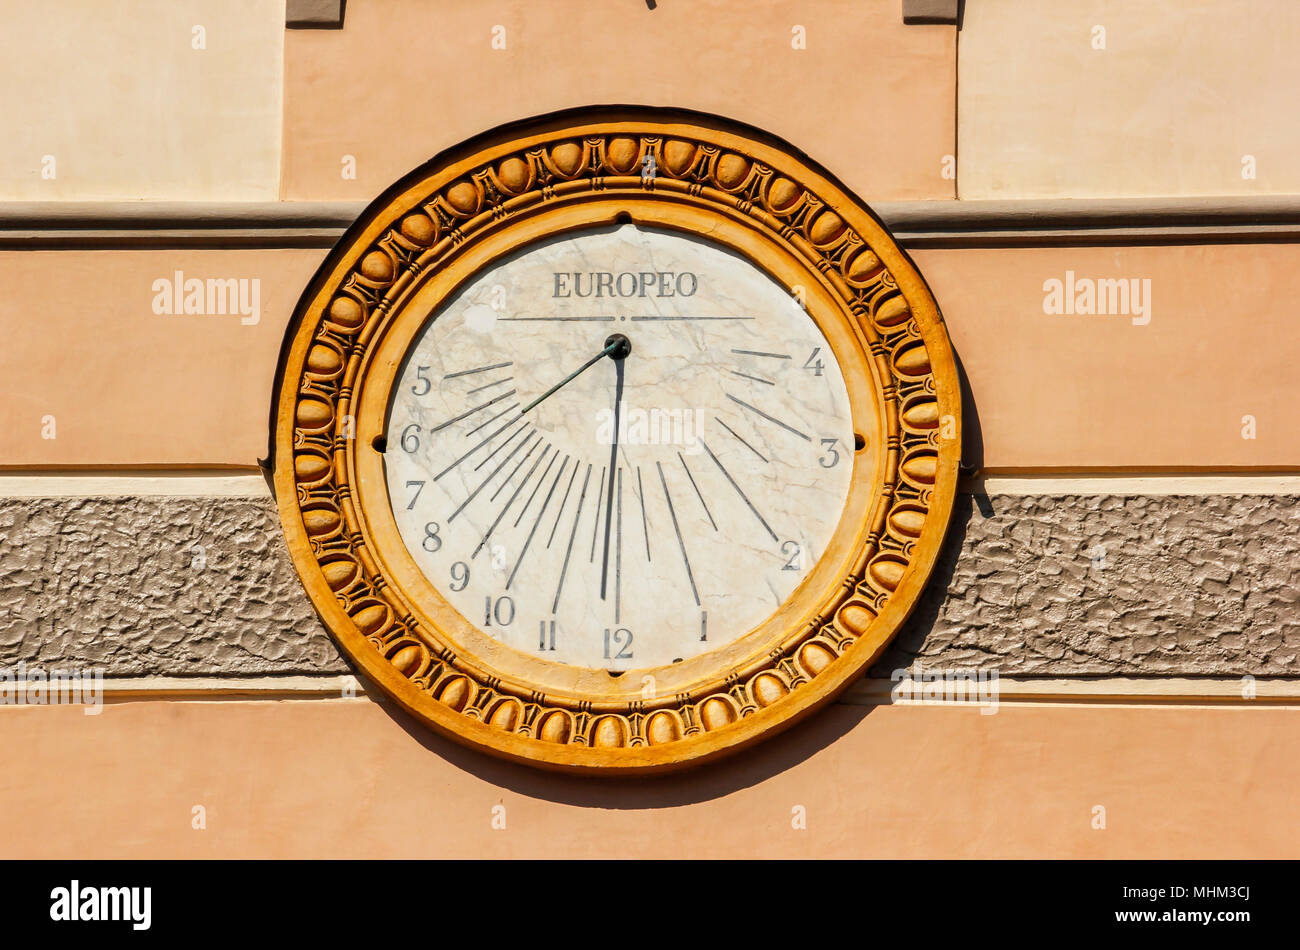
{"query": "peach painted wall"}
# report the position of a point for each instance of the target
(1077, 391)
(127, 386)
(336, 778)
(1051, 392)
(869, 97)
(152, 99)
(1167, 100)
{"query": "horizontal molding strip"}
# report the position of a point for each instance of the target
(1263, 483)
(1163, 691)
(181, 483)
(919, 224)
(1109, 691)
(187, 483)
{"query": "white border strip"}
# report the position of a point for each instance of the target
(182, 483)
(1109, 691)
(1122, 691)
(102, 484)
(1120, 484)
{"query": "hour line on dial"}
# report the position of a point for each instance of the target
(487, 422)
(757, 379)
(739, 439)
(773, 419)
(698, 495)
(618, 548)
(545, 504)
(722, 468)
(478, 369)
(506, 481)
(474, 494)
(563, 502)
(558, 319)
(495, 382)
(536, 488)
(577, 515)
(645, 522)
(513, 436)
(668, 318)
(595, 527)
(485, 441)
(672, 513)
(506, 507)
(469, 412)
(774, 356)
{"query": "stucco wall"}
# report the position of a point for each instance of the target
(1027, 585)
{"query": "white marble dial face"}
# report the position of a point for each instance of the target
(657, 505)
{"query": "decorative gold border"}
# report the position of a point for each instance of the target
(559, 173)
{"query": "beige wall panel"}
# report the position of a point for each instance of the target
(1076, 392)
(127, 386)
(126, 106)
(1180, 94)
(335, 779)
(869, 98)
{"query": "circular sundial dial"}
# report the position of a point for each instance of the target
(616, 442)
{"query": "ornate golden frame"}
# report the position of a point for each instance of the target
(500, 192)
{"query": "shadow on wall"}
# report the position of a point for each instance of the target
(702, 783)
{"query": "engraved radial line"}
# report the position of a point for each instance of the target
(518, 466)
(672, 512)
(743, 496)
(618, 549)
(469, 412)
(645, 522)
(472, 495)
(559, 319)
(545, 504)
(563, 502)
(495, 382)
(739, 439)
(488, 458)
(760, 412)
(480, 369)
(595, 528)
(697, 491)
(577, 515)
(757, 379)
(494, 418)
(691, 318)
(480, 445)
(513, 495)
(774, 356)
(536, 488)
